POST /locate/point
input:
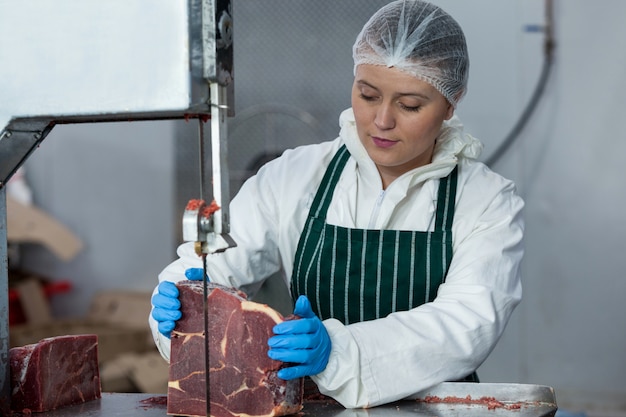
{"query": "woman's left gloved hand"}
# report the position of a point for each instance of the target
(195, 274)
(304, 342)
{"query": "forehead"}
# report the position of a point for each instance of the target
(392, 80)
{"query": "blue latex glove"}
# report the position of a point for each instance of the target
(195, 274)
(304, 342)
(166, 305)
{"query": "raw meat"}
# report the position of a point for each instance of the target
(490, 402)
(242, 378)
(55, 372)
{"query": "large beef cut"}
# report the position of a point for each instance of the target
(242, 378)
(55, 372)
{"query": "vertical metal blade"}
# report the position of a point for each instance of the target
(207, 364)
(219, 152)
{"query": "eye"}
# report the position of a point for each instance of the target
(410, 108)
(368, 93)
(367, 97)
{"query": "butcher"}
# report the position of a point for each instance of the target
(401, 249)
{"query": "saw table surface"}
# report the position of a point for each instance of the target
(445, 400)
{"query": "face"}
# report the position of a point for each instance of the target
(398, 118)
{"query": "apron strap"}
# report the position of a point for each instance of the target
(446, 194)
(444, 219)
(321, 202)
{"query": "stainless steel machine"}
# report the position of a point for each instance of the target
(74, 61)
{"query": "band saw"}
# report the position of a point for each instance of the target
(72, 61)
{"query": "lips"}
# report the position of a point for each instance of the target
(383, 143)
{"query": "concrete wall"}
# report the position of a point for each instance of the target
(121, 189)
(112, 185)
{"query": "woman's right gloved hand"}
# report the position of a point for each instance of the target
(166, 305)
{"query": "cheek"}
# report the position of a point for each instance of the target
(360, 114)
(357, 105)
(364, 113)
(421, 132)
(361, 125)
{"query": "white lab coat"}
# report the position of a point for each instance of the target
(380, 361)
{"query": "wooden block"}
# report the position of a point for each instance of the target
(26, 223)
(33, 301)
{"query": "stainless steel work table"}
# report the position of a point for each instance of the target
(464, 399)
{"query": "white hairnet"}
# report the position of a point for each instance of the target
(421, 39)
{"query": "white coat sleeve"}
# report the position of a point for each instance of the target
(384, 360)
(174, 272)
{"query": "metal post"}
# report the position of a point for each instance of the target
(5, 377)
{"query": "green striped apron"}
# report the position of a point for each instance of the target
(355, 275)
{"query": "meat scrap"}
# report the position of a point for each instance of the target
(55, 372)
(242, 378)
(207, 211)
(194, 204)
(490, 402)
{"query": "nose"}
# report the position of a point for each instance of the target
(385, 119)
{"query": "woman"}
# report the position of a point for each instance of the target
(401, 249)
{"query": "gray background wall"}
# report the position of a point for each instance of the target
(121, 187)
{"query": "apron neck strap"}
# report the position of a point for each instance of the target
(321, 202)
(445, 201)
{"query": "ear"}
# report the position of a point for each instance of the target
(450, 112)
